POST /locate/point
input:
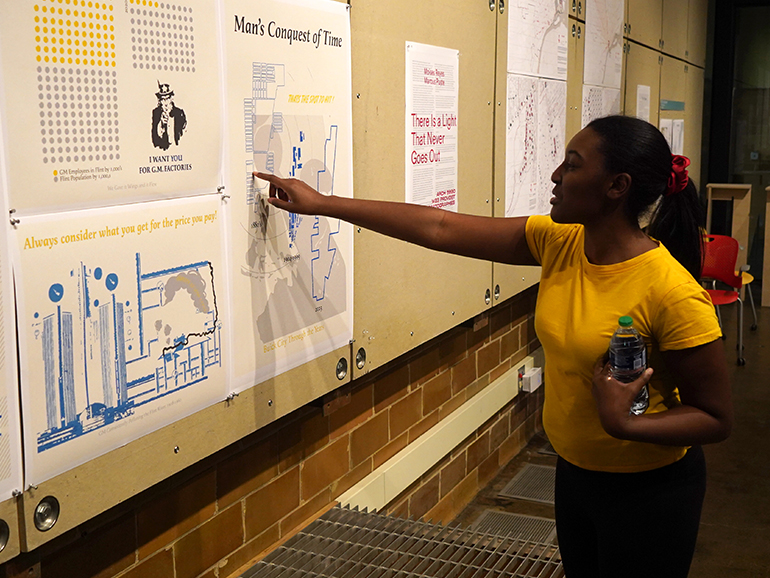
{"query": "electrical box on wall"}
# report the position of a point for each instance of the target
(532, 379)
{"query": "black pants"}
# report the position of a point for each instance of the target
(643, 524)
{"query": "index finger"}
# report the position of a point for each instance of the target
(269, 177)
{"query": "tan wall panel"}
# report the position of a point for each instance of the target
(576, 53)
(672, 85)
(645, 21)
(674, 27)
(405, 295)
(106, 481)
(697, 31)
(9, 513)
(642, 68)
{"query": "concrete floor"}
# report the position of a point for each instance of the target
(734, 539)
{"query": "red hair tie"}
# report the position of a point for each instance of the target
(678, 179)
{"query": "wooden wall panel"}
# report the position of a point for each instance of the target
(405, 295)
(643, 68)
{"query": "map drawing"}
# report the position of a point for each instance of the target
(552, 129)
(604, 43)
(535, 141)
(537, 38)
(291, 274)
(598, 102)
(289, 252)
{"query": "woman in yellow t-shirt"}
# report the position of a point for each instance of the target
(629, 488)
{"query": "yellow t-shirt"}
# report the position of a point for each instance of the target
(578, 307)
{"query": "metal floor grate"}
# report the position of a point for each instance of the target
(534, 483)
(533, 528)
(347, 543)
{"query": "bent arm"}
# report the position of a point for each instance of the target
(706, 413)
(493, 239)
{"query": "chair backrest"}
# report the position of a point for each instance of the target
(719, 259)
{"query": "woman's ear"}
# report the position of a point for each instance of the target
(620, 186)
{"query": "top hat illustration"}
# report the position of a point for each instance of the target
(164, 90)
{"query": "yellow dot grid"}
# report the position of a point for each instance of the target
(63, 39)
(143, 3)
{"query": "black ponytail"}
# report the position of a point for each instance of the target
(633, 146)
(677, 222)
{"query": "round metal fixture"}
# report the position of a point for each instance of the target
(497, 292)
(46, 513)
(5, 534)
(342, 368)
(487, 297)
(361, 358)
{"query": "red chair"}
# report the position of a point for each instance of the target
(720, 257)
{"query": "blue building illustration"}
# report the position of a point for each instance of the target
(102, 361)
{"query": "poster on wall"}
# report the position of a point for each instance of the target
(604, 43)
(109, 102)
(288, 74)
(122, 325)
(10, 431)
(598, 102)
(537, 38)
(535, 142)
(643, 102)
(432, 90)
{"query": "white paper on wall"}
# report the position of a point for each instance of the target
(667, 129)
(289, 106)
(537, 38)
(604, 43)
(677, 137)
(122, 325)
(535, 142)
(431, 124)
(598, 102)
(643, 102)
(109, 102)
(11, 472)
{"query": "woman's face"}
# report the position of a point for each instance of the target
(581, 182)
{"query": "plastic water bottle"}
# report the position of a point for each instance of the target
(628, 360)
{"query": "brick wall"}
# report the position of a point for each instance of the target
(217, 516)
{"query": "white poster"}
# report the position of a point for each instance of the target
(535, 142)
(677, 137)
(599, 102)
(604, 43)
(121, 325)
(109, 102)
(432, 88)
(643, 102)
(667, 129)
(289, 108)
(10, 430)
(537, 38)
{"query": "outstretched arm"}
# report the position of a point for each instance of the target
(500, 240)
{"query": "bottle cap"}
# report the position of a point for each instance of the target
(625, 321)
